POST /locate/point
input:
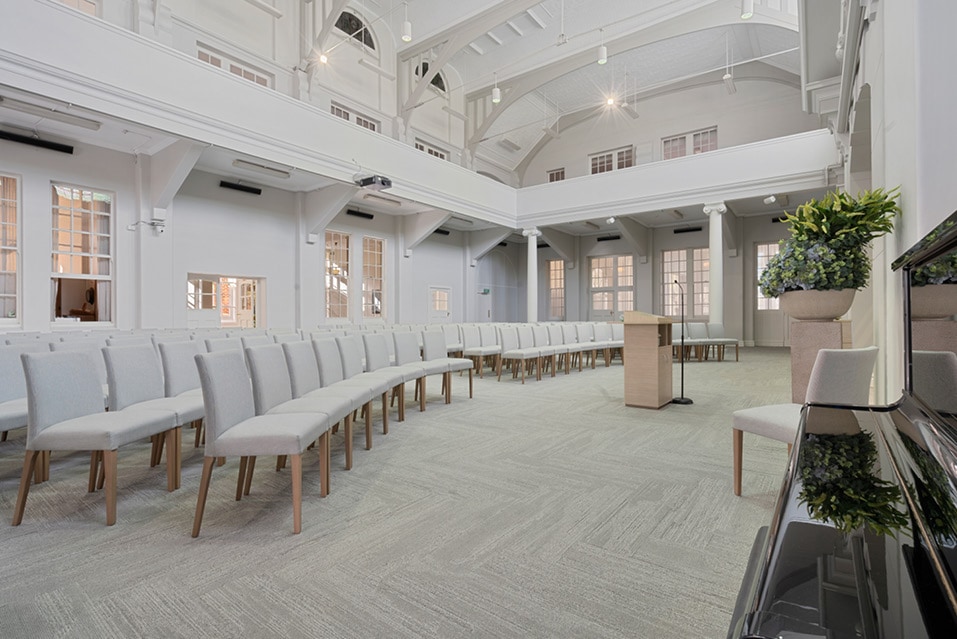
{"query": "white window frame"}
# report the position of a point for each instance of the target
(556, 175)
(219, 60)
(617, 287)
(89, 7)
(691, 267)
(763, 251)
(431, 149)
(13, 247)
(691, 143)
(614, 159)
(337, 273)
(373, 283)
(555, 270)
(351, 115)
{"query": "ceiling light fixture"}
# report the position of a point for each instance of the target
(728, 77)
(406, 26)
(747, 9)
(602, 50)
(675, 213)
(50, 113)
(610, 101)
(611, 220)
(323, 58)
(770, 199)
(496, 92)
(262, 168)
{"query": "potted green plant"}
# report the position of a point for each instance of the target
(827, 252)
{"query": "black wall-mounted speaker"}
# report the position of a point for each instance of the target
(607, 238)
(354, 213)
(687, 229)
(441, 231)
(255, 190)
(37, 142)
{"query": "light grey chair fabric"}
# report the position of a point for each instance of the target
(13, 386)
(136, 381)
(304, 381)
(512, 351)
(281, 338)
(473, 348)
(179, 367)
(250, 341)
(435, 353)
(92, 347)
(350, 352)
(839, 376)
(935, 378)
(453, 339)
(217, 344)
(65, 405)
(128, 340)
(272, 387)
(234, 429)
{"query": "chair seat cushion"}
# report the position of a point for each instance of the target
(778, 421)
(475, 351)
(13, 414)
(185, 408)
(356, 395)
(285, 434)
(334, 408)
(102, 431)
(521, 353)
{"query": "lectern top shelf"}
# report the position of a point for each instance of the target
(638, 317)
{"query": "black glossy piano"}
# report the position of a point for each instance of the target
(863, 539)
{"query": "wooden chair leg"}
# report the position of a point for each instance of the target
(101, 477)
(324, 457)
(171, 480)
(280, 462)
(368, 411)
(208, 463)
(422, 394)
(790, 446)
(3, 436)
(29, 465)
(737, 442)
(447, 381)
(481, 365)
(109, 471)
(220, 461)
(385, 413)
(470, 383)
(178, 440)
(199, 434)
(250, 467)
(401, 389)
(242, 477)
(348, 433)
(296, 493)
(94, 469)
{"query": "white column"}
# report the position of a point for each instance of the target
(531, 273)
(715, 213)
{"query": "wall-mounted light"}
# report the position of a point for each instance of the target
(406, 25)
(770, 199)
(602, 49)
(496, 92)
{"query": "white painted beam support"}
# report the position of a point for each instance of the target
(636, 235)
(421, 225)
(325, 204)
(481, 242)
(563, 244)
(531, 286)
(168, 170)
(715, 213)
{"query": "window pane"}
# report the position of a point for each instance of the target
(337, 274)
(556, 289)
(602, 301)
(674, 266)
(764, 252)
(372, 281)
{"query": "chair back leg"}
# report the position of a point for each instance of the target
(29, 463)
(208, 463)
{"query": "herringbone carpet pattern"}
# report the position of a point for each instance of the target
(543, 510)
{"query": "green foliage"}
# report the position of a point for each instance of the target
(829, 238)
(943, 270)
(840, 487)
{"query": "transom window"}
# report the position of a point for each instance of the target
(372, 280)
(200, 294)
(556, 175)
(82, 253)
(699, 141)
(612, 285)
(691, 268)
(236, 67)
(556, 289)
(437, 81)
(611, 160)
(356, 28)
(431, 150)
(337, 274)
(765, 252)
(9, 246)
(351, 116)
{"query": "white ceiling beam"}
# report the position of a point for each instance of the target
(322, 206)
(328, 22)
(265, 6)
(168, 170)
(481, 242)
(535, 18)
(494, 38)
(636, 235)
(514, 27)
(474, 47)
(563, 243)
(420, 226)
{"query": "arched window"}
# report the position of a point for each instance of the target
(355, 27)
(437, 81)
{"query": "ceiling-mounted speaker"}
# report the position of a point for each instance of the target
(687, 229)
(37, 142)
(236, 186)
(441, 232)
(502, 244)
(607, 238)
(363, 215)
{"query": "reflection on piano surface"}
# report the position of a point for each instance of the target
(863, 541)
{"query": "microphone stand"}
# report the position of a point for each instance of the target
(682, 399)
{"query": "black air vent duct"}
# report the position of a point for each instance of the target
(355, 213)
(687, 229)
(236, 186)
(37, 142)
(441, 231)
(607, 238)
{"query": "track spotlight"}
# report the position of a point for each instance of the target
(770, 199)
(747, 9)
(406, 26)
(602, 50)
(496, 92)
(323, 58)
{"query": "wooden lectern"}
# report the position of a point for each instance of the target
(647, 360)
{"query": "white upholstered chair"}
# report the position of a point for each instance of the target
(435, 353)
(13, 387)
(839, 376)
(234, 429)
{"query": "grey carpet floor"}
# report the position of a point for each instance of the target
(543, 510)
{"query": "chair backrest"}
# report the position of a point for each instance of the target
(569, 333)
(488, 334)
(282, 338)
(697, 330)
(376, 350)
(433, 345)
(134, 374)
(618, 331)
(526, 338)
(218, 344)
(61, 385)
(270, 376)
(128, 340)
(329, 361)
(586, 332)
(406, 348)
(540, 335)
(92, 347)
(508, 338)
(555, 335)
(250, 341)
(842, 376)
(179, 366)
(227, 394)
(177, 337)
(302, 365)
(471, 337)
(602, 332)
(934, 379)
(351, 354)
(12, 383)
(715, 330)
(451, 332)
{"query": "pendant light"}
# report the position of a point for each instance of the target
(406, 26)
(747, 9)
(496, 92)
(602, 50)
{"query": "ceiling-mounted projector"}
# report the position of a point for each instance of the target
(372, 182)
